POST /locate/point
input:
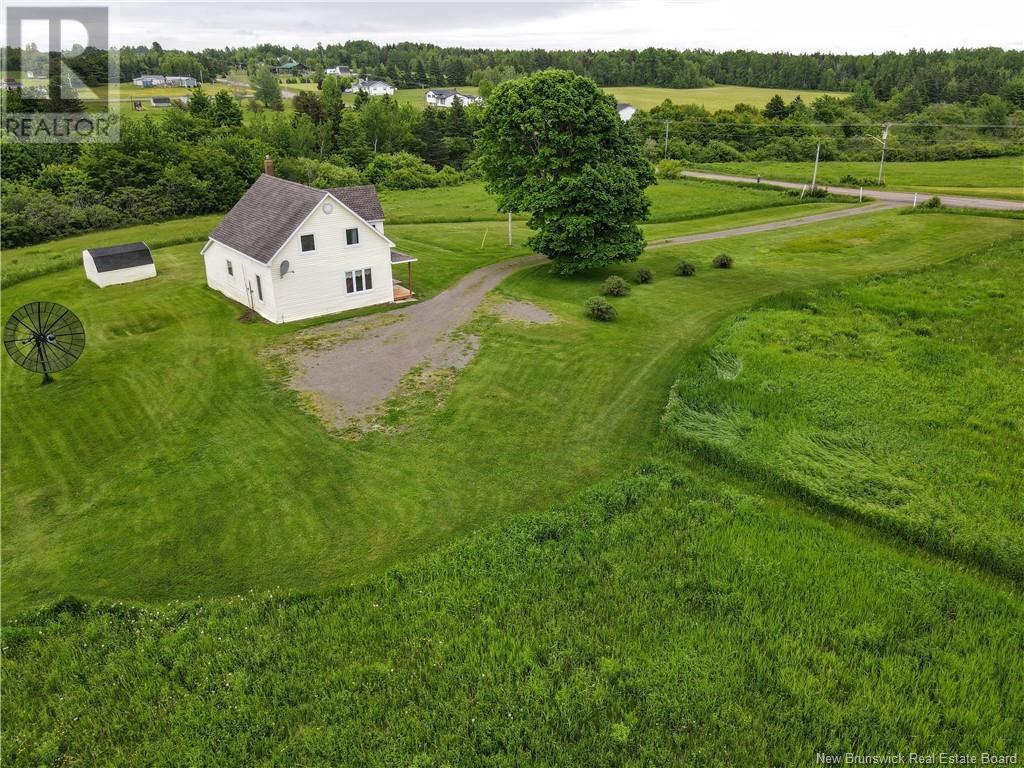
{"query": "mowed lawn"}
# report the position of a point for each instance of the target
(715, 97)
(172, 463)
(999, 177)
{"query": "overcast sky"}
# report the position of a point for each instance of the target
(857, 26)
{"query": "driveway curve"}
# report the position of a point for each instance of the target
(352, 366)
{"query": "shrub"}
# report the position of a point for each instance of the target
(722, 261)
(685, 269)
(644, 276)
(615, 286)
(669, 169)
(598, 308)
(932, 202)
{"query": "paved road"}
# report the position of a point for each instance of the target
(388, 346)
(903, 198)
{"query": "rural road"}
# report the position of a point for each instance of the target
(351, 367)
(904, 198)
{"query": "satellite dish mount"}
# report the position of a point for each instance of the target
(44, 337)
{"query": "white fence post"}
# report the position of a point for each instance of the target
(915, 199)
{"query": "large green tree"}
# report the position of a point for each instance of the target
(553, 145)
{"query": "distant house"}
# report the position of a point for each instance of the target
(339, 71)
(181, 81)
(626, 111)
(445, 97)
(10, 84)
(160, 101)
(288, 67)
(290, 252)
(373, 88)
(118, 264)
(149, 81)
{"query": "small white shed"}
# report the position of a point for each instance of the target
(117, 264)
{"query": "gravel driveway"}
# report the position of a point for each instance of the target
(359, 373)
(352, 366)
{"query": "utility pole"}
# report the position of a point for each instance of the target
(817, 154)
(666, 139)
(884, 141)
(510, 227)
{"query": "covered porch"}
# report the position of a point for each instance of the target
(402, 292)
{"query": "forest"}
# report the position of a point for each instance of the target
(962, 75)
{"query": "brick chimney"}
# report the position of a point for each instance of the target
(268, 165)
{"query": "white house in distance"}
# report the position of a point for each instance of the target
(339, 71)
(173, 81)
(117, 264)
(289, 252)
(373, 88)
(445, 97)
(625, 111)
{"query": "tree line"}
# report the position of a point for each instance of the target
(959, 76)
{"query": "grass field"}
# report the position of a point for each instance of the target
(503, 440)
(716, 599)
(904, 404)
(999, 177)
(716, 97)
(689, 623)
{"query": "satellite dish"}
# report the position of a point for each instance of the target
(44, 337)
(285, 266)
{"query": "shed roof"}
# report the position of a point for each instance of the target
(125, 256)
(397, 257)
(273, 208)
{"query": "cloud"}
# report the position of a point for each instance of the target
(785, 25)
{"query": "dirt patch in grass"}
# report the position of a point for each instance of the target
(524, 311)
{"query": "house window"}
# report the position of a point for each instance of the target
(231, 269)
(352, 236)
(308, 243)
(259, 288)
(358, 281)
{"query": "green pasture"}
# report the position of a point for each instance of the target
(143, 472)
(898, 401)
(662, 618)
(715, 97)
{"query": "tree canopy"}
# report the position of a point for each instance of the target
(552, 144)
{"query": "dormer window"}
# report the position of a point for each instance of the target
(308, 243)
(352, 236)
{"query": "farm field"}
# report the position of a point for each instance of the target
(503, 439)
(999, 177)
(715, 97)
(683, 623)
(904, 404)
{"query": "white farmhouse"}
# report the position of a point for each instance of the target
(373, 88)
(289, 252)
(445, 97)
(117, 264)
(339, 71)
(625, 111)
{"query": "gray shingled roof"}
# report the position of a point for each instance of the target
(116, 257)
(363, 200)
(272, 209)
(622, 105)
